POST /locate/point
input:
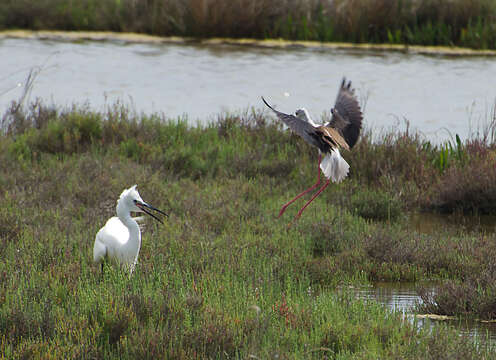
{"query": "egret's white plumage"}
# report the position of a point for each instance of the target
(120, 238)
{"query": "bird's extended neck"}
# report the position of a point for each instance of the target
(134, 242)
(305, 116)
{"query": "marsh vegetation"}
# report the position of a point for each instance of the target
(425, 22)
(223, 278)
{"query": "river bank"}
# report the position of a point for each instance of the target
(469, 24)
(133, 38)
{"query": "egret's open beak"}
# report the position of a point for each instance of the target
(143, 206)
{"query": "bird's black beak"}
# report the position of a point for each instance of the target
(143, 206)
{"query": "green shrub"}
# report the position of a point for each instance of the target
(375, 205)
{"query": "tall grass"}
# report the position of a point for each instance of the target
(222, 278)
(424, 22)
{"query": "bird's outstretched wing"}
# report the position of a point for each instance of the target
(346, 114)
(304, 129)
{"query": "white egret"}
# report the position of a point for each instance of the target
(120, 239)
(341, 132)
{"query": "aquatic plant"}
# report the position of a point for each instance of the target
(472, 297)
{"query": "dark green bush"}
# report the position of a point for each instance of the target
(375, 205)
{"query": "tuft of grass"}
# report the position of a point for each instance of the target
(470, 188)
(375, 205)
(474, 296)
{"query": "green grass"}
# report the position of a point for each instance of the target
(222, 278)
(425, 22)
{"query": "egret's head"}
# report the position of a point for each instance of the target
(302, 114)
(131, 201)
(129, 198)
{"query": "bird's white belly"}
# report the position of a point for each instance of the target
(334, 166)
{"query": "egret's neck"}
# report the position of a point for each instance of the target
(124, 215)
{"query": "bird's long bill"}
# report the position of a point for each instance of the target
(143, 207)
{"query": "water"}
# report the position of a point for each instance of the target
(403, 297)
(434, 93)
(431, 223)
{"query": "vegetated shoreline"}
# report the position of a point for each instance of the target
(422, 22)
(222, 275)
(56, 35)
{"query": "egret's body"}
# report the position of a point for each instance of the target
(120, 239)
(341, 132)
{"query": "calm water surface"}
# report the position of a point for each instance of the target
(403, 297)
(430, 223)
(435, 94)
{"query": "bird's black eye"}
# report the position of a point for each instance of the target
(135, 201)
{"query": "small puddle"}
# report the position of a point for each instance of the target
(403, 297)
(400, 297)
(430, 223)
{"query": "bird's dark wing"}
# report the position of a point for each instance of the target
(332, 137)
(346, 114)
(304, 129)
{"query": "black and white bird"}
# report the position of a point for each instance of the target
(341, 132)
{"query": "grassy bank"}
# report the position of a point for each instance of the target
(426, 22)
(222, 278)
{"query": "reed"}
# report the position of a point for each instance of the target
(425, 22)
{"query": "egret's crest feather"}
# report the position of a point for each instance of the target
(132, 190)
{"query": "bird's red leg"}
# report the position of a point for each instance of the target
(283, 209)
(312, 199)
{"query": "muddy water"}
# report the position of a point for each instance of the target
(430, 223)
(438, 95)
(403, 297)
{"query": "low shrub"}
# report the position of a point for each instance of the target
(375, 205)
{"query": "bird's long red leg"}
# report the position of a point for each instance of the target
(283, 209)
(312, 199)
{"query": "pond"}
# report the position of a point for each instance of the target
(438, 95)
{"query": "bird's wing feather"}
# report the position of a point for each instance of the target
(110, 241)
(298, 126)
(346, 114)
(99, 249)
(332, 137)
(114, 231)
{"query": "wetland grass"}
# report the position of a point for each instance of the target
(426, 22)
(222, 278)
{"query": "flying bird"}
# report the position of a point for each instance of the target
(340, 133)
(120, 239)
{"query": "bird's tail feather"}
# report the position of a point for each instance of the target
(334, 166)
